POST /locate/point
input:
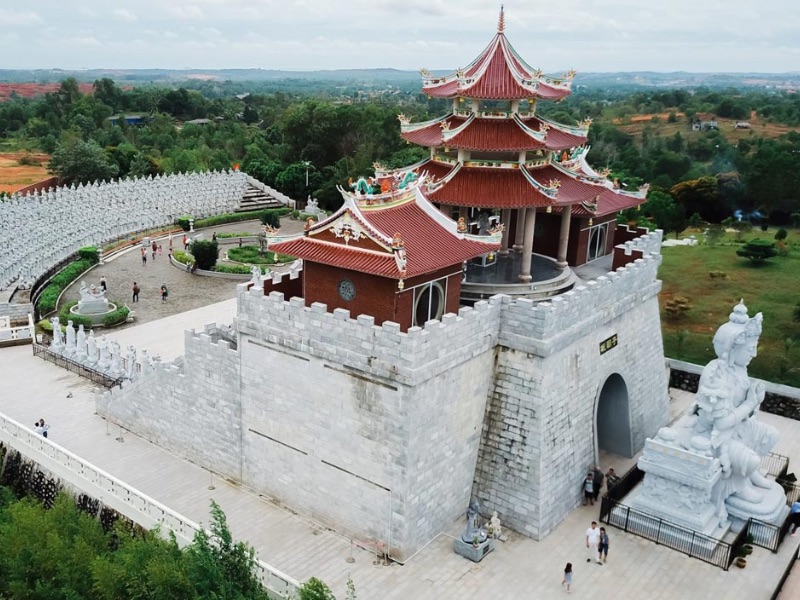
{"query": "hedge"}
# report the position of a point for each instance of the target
(181, 256)
(252, 255)
(236, 217)
(226, 234)
(118, 316)
(64, 315)
(89, 253)
(48, 298)
(238, 269)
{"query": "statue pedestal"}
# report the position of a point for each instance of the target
(471, 551)
(678, 485)
(92, 307)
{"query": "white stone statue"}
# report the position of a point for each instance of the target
(69, 349)
(57, 345)
(80, 344)
(116, 360)
(494, 526)
(130, 363)
(255, 273)
(91, 349)
(720, 443)
(105, 354)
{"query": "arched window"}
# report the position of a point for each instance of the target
(597, 242)
(429, 302)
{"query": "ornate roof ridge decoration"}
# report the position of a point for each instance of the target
(540, 135)
(501, 22)
(548, 192)
(581, 130)
(432, 185)
(351, 208)
(595, 180)
(406, 126)
(448, 134)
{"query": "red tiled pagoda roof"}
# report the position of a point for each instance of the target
(490, 188)
(429, 246)
(498, 73)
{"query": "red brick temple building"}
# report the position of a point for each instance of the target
(492, 158)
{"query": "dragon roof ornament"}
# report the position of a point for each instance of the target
(404, 120)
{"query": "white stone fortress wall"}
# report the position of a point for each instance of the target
(40, 230)
(384, 435)
(539, 435)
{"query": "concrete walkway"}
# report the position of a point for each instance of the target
(520, 567)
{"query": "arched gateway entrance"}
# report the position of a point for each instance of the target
(614, 418)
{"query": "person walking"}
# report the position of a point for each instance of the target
(135, 290)
(597, 481)
(164, 292)
(144, 256)
(795, 516)
(567, 577)
(103, 283)
(602, 547)
(154, 247)
(592, 542)
(44, 427)
(588, 489)
(159, 249)
(612, 479)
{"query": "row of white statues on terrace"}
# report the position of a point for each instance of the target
(102, 355)
(39, 230)
(705, 471)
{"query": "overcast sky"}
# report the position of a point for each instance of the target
(588, 35)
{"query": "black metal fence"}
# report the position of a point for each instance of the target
(623, 487)
(776, 465)
(67, 363)
(666, 533)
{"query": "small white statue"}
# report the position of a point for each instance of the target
(494, 526)
(58, 335)
(255, 272)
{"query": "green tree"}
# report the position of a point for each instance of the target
(205, 253)
(76, 161)
(667, 214)
(107, 92)
(701, 196)
(314, 589)
(758, 250)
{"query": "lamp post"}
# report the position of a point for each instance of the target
(307, 164)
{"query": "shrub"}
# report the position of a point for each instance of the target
(238, 269)
(677, 307)
(252, 255)
(48, 298)
(116, 317)
(183, 222)
(227, 234)
(295, 214)
(781, 234)
(89, 253)
(718, 274)
(236, 217)
(181, 256)
(64, 315)
(205, 254)
(271, 219)
(758, 250)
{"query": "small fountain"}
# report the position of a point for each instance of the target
(93, 304)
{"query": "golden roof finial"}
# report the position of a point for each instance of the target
(501, 23)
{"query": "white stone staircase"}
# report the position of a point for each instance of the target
(260, 197)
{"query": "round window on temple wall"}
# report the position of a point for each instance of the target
(347, 291)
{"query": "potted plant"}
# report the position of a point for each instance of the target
(747, 549)
(741, 562)
(476, 541)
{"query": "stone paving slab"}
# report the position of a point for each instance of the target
(519, 568)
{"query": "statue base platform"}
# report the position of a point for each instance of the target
(471, 551)
(98, 311)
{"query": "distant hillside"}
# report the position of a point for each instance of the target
(639, 79)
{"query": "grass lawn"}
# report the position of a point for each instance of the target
(772, 288)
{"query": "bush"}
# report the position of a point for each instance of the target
(226, 234)
(677, 307)
(242, 216)
(295, 214)
(89, 253)
(758, 250)
(781, 234)
(205, 254)
(183, 222)
(64, 315)
(271, 219)
(252, 255)
(48, 298)
(181, 256)
(238, 269)
(116, 317)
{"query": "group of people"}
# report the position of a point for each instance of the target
(597, 543)
(41, 427)
(156, 250)
(136, 289)
(592, 485)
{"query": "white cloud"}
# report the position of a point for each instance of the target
(186, 12)
(123, 14)
(18, 17)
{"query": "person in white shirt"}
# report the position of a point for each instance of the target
(592, 540)
(38, 428)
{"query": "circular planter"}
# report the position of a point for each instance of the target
(747, 549)
(740, 562)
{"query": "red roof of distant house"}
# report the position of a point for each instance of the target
(498, 73)
(430, 242)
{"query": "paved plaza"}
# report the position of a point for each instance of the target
(519, 568)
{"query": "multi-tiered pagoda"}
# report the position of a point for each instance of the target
(492, 157)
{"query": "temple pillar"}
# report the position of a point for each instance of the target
(527, 246)
(505, 219)
(519, 235)
(563, 237)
